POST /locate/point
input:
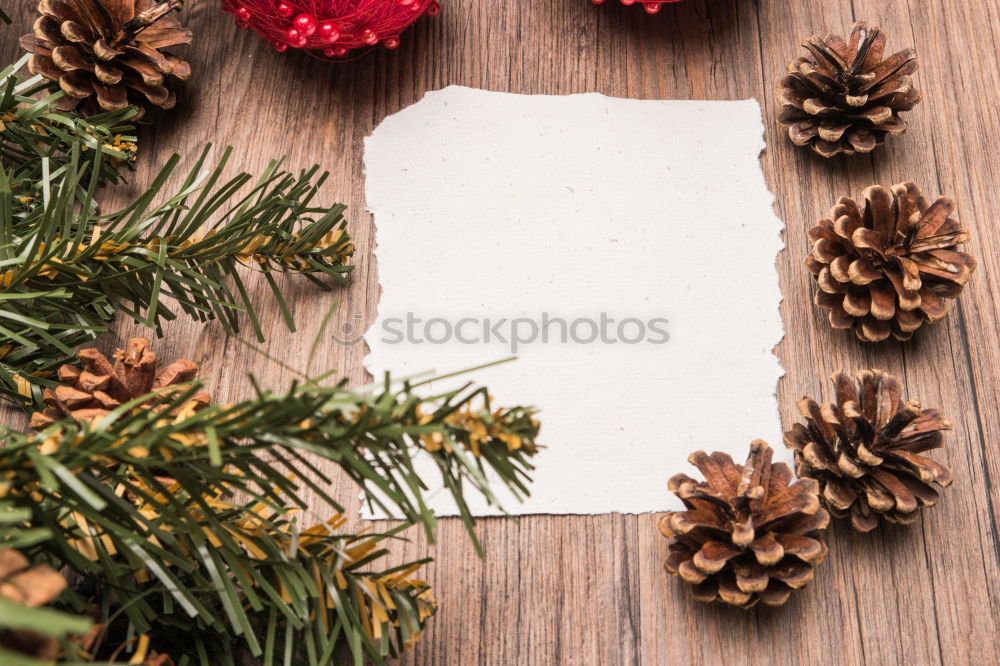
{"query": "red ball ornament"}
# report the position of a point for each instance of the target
(316, 26)
(305, 24)
(295, 38)
(328, 31)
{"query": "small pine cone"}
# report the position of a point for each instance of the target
(107, 54)
(864, 449)
(31, 586)
(749, 534)
(844, 98)
(890, 266)
(93, 392)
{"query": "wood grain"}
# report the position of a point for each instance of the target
(591, 589)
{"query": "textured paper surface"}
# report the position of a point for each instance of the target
(496, 206)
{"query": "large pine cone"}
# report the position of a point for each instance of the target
(891, 266)
(105, 54)
(864, 450)
(749, 534)
(100, 387)
(844, 98)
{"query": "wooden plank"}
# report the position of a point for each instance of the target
(590, 589)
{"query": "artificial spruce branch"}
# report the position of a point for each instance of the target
(66, 270)
(190, 518)
(37, 141)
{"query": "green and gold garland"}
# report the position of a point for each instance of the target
(182, 527)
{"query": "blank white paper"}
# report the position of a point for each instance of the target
(493, 206)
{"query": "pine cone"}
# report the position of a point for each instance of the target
(844, 98)
(105, 54)
(891, 266)
(749, 534)
(863, 450)
(31, 586)
(100, 387)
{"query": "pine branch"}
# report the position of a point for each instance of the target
(65, 271)
(37, 141)
(144, 500)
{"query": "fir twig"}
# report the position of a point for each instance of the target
(37, 140)
(65, 270)
(144, 500)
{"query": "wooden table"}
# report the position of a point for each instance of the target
(591, 589)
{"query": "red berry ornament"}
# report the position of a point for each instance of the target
(295, 38)
(332, 28)
(651, 6)
(328, 32)
(305, 24)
